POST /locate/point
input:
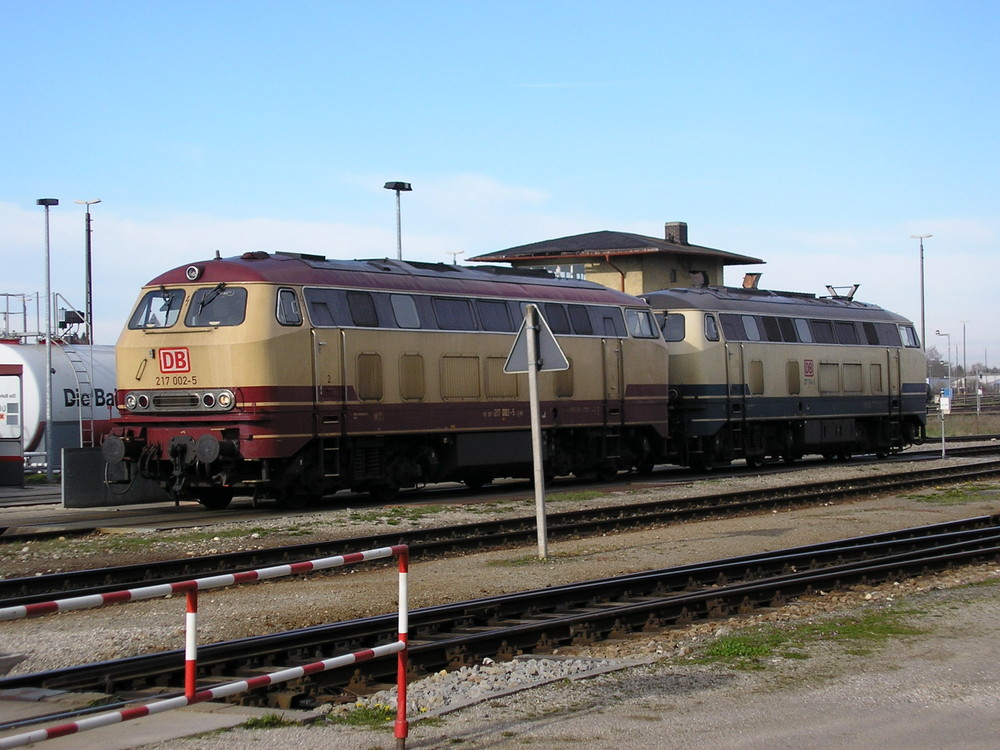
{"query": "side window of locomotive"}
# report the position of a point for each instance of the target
(323, 306)
(803, 331)
(494, 314)
(732, 327)
(157, 309)
(288, 312)
(871, 335)
(673, 327)
(555, 316)
(822, 331)
(910, 339)
(888, 334)
(711, 328)
(453, 314)
(580, 319)
(614, 324)
(847, 333)
(641, 325)
(217, 306)
(404, 309)
(787, 328)
(362, 308)
(751, 327)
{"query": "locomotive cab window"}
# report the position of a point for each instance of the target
(217, 306)
(288, 312)
(157, 309)
(910, 339)
(674, 327)
(641, 325)
(711, 328)
(494, 314)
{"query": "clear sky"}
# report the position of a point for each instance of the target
(818, 136)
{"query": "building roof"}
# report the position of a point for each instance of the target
(601, 244)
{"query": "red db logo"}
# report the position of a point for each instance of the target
(808, 368)
(175, 360)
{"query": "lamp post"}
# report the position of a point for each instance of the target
(48, 203)
(89, 279)
(923, 331)
(399, 187)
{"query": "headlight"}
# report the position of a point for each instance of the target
(225, 399)
(130, 402)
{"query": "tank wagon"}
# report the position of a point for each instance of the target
(294, 376)
(757, 374)
(83, 382)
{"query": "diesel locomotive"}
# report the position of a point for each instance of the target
(292, 376)
(757, 374)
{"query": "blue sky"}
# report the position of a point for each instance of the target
(817, 136)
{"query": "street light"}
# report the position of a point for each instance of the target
(923, 332)
(399, 187)
(48, 203)
(89, 280)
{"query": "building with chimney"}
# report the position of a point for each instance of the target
(632, 263)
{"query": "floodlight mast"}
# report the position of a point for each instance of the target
(399, 187)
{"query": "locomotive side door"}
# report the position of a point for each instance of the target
(894, 387)
(614, 412)
(328, 394)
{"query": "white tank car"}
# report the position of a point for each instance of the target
(83, 395)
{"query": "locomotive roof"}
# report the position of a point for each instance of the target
(395, 275)
(763, 301)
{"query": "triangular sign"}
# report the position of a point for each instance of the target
(550, 355)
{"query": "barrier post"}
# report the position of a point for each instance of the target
(191, 645)
(402, 725)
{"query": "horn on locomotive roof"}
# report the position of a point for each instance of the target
(837, 295)
(750, 280)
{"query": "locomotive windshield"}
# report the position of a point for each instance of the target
(217, 306)
(158, 309)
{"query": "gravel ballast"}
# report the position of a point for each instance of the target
(613, 689)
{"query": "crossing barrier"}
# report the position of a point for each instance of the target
(192, 695)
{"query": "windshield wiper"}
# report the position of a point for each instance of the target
(207, 299)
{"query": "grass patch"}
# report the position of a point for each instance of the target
(754, 649)
(395, 515)
(268, 721)
(965, 493)
(374, 716)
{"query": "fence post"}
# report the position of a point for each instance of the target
(402, 726)
(191, 645)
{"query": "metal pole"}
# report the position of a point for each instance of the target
(399, 231)
(531, 331)
(47, 203)
(923, 327)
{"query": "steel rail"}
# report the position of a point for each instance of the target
(452, 635)
(487, 535)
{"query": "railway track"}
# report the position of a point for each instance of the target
(486, 535)
(539, 621)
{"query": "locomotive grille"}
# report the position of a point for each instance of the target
(175, 400)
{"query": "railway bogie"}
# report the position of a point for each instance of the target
(764, 375)
(293, 377)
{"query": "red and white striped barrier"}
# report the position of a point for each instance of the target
(220, 691)
(197, 584)
(191, 693)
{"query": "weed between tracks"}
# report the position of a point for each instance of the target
(965, 493)
(855, 635)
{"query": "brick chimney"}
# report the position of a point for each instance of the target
(676, 232)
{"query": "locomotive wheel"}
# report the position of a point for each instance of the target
(755, 462)
(215, 498)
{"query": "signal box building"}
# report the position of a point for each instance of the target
(631, 263)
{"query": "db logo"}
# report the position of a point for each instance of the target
(807, 369)
(175, 360)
